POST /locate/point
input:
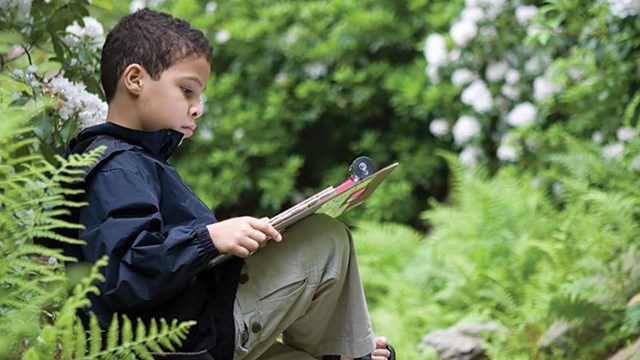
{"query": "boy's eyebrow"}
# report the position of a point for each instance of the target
(196, 80)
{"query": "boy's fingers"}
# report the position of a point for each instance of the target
(267, 229)
(257, 235)
(381, 342)
(250, 245)
(240, 251)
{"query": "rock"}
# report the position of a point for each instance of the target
(629, 353)
(460, 342)
(555, 335)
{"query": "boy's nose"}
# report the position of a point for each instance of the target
(196, 111)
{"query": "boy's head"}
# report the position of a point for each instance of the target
(159, 65)
(152, 39)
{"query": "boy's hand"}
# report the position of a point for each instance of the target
(242, 236)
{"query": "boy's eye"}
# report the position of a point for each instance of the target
(186, 91)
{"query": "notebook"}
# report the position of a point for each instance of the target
(363, 180)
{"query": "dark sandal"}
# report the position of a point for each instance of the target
(392, 355)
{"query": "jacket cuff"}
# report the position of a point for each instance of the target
(205, 244)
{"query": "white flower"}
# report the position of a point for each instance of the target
(455, 54)
(472, 14)
(432, 73)
(435, 50)
(32, 69)
(575, 73)
(626, 133)
(510, 92)
(522, 114)
(488, 32)
(462, 77)
(92, 29)
(17, 74)
(315, 70)
(291, 36)
(466, 128)
(77, 101)
(635, 163)
(507, 152)
(439, 127)
(512, 76)
(239, 133)
(462, 32)
(492, 8)
(597, 137)
(222, 36)
(205, 133)
(23, 7)
(613, 151)
(137, 5)
(496, 71)
(624, 8)
(211, 7)
(470, 155)
(478, 96)
(537, 63)
(534, 29)
(281, 77)
(557, 188)
(524, 13)
(544, 87)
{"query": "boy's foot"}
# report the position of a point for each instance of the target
(380, 353)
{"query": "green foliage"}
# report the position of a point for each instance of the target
(530, 258)
(299, 89)
(37, 319)
(383, 252)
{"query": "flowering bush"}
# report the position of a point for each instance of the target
(53, 52)
(527, 67)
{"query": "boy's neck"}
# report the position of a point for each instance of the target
(120, 112)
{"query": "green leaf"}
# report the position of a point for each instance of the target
(43, 124)
(95, 340)
(112, 333)
(80, 342)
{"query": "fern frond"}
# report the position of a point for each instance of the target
(113, 336)
(80, 346)
(122, 343)
(34, 249)
(95, 334)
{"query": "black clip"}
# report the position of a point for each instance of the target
(362, 167)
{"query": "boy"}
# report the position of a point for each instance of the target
(160, 238)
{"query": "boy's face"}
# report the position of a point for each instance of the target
(173, 101)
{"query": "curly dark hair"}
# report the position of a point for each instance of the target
(152, 39)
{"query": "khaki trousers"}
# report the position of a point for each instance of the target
(302, 298)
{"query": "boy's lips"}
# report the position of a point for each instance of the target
(189, 129)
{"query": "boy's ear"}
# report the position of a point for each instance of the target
(133, 78)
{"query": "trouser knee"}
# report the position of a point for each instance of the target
(329, 236)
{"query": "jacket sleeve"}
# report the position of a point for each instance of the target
(146, 264)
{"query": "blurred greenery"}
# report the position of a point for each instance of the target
(515, 123)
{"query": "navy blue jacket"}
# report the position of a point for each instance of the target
(152, 227)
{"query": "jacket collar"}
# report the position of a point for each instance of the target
(159, 143)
